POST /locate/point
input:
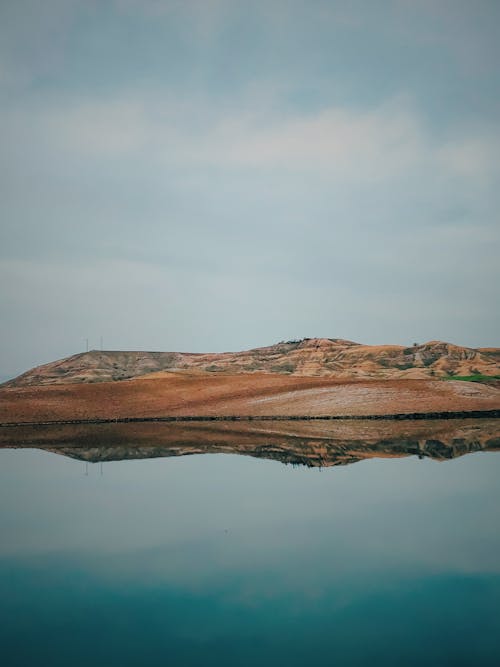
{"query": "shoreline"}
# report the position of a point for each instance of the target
(459, 414)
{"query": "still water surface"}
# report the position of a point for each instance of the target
(230, 560)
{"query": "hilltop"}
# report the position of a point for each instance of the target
(308, 357)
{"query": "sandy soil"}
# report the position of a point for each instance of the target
(183, 393)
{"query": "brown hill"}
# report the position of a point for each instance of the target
(312, 357)
(186, 393)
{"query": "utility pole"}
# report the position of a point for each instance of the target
(87, 344)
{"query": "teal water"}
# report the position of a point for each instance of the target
(229, 560)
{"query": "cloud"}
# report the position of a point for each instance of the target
(371, 145)
(242, 172)
(471, 156)
(337, 141)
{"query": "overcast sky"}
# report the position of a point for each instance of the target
(210, 175)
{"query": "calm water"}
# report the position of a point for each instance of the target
(230, 560)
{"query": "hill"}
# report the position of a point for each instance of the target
(308, 357)
(186, 393)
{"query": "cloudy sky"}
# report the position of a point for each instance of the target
(203, 175)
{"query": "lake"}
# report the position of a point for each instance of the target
(316, 544)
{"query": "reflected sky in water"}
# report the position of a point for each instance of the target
(229, 560)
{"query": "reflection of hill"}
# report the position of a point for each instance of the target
(306, 443)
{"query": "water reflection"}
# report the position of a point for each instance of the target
(235, 560)
(316, 444)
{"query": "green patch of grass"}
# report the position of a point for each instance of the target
(477, 377)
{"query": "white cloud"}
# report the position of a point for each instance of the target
(337, 141)
(471, 156)
(375, 145)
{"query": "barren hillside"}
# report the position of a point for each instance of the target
(311, 357)
(185, 393)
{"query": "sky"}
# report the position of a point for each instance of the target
(211, 175)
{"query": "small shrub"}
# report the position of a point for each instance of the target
(283, 368)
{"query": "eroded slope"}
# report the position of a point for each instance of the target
(309, 357)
